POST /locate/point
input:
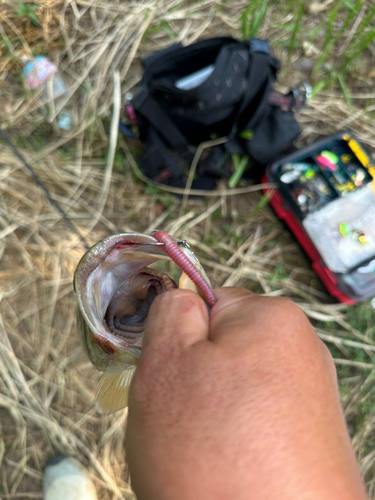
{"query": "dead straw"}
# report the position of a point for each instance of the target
(47, 384)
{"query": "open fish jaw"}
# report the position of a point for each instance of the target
(107, 267)
(115, 290)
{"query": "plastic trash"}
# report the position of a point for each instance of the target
(42, 73)
(66, 479)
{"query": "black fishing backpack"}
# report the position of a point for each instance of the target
(220, 87)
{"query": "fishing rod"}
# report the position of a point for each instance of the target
(41, 184)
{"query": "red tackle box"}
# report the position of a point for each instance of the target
(326, 196)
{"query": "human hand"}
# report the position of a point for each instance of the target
(241, 403)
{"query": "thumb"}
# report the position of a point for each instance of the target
(177, 318)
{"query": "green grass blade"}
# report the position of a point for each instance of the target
(346, 92)
(300, 10)
(329, 40)
(258, 20)
(349, 5)
(316, 32)
(289, 5)
(245, 21)
(252, 18)
(261, 204)
(365, 43)
(318, 87)
(336, 39)
(362, 27)
(239, 168)
(172, 35)
(354, 10)
(323, 83)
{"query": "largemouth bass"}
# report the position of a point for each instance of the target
(115, 289)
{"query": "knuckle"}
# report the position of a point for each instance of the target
(295, 342)
(230, 292)
(293, 326)
(289, 308)
(287, 312)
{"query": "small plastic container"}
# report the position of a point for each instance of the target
(327, 198)
(42, 73)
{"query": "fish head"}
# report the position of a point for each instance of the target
(115, 289)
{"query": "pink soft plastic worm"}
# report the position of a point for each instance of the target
(178, 256)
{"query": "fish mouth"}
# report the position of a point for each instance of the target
(115, 288)
(127, 311)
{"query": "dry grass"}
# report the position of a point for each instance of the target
(46, 382)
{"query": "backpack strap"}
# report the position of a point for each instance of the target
(157, 162)
(158, 119)
(259, 82)
(160, 166)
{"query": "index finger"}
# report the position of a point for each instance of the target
(177, 318)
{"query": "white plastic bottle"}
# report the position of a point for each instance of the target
(66, 479)
(42, 73)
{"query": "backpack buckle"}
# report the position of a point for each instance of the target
(258, 45)
(300, 94)
(295, 100)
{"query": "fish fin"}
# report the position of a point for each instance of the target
(112, 391)
(186, 283)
